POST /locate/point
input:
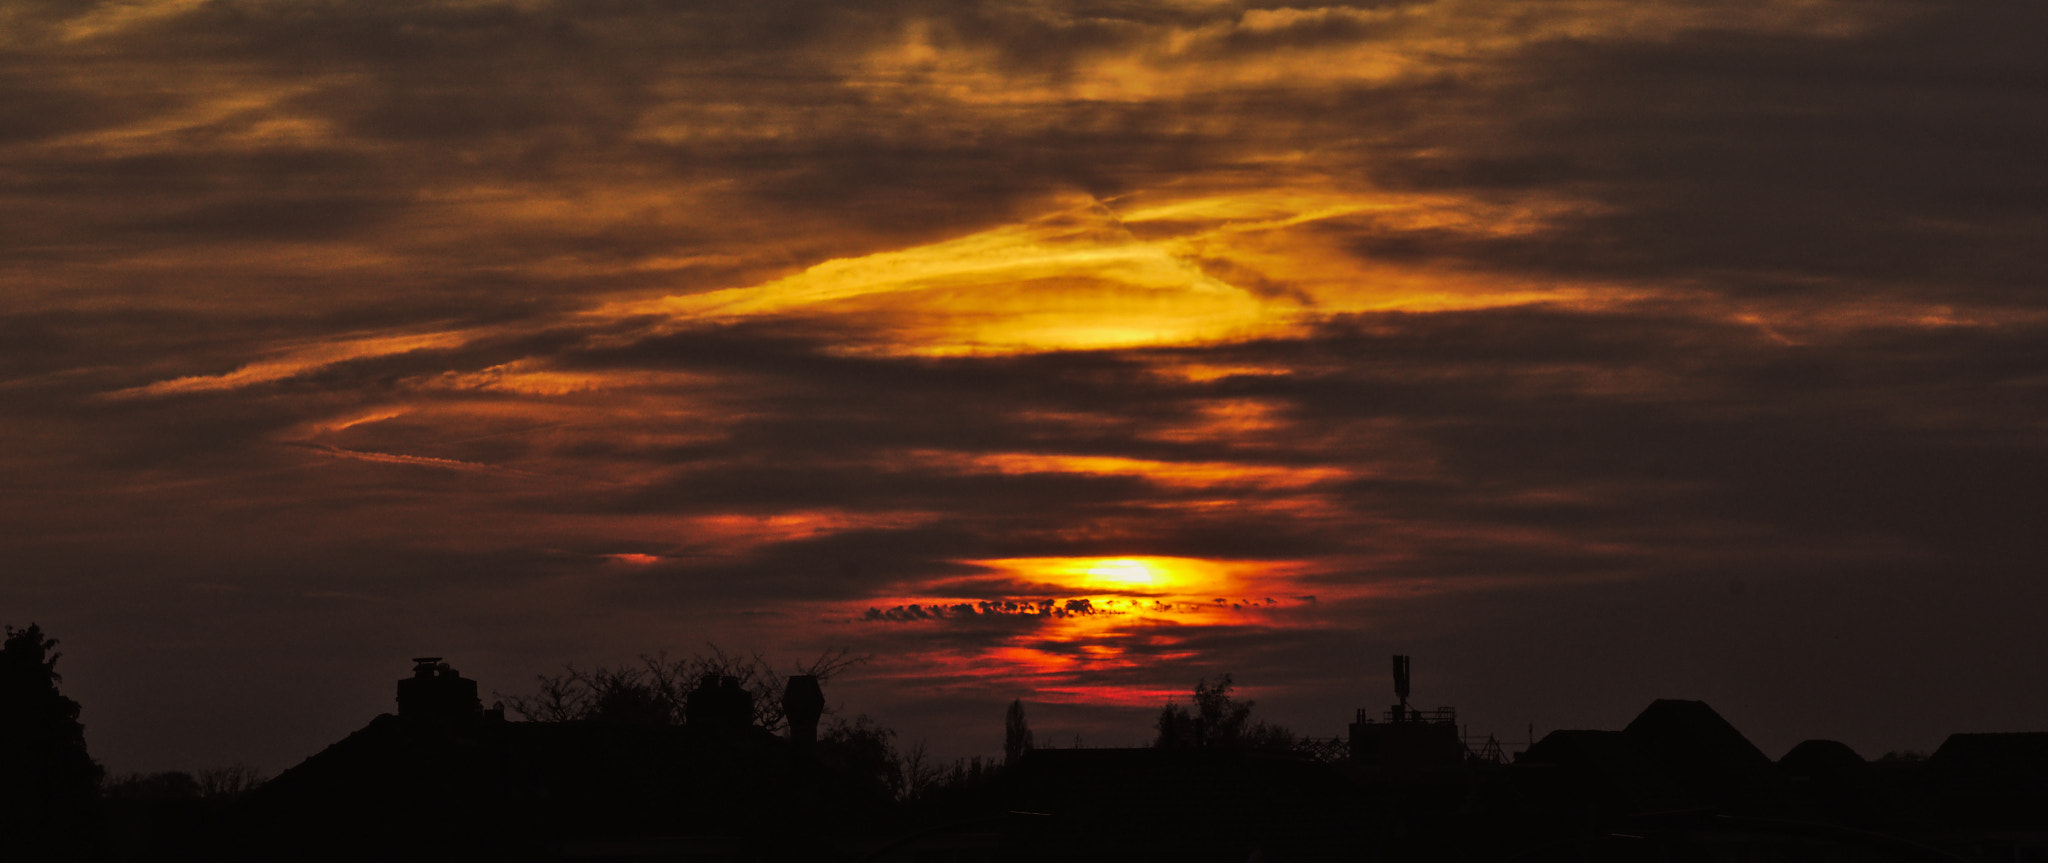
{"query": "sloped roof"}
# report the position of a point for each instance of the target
(1674, 755)
(1703, 753)
(1990, 779)
(518, 783)
(1182, 804)
(1823, 759)
(1604, 768)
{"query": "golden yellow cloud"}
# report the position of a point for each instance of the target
(1230, 48)
(1087, 276)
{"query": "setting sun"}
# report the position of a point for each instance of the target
(1122, 573)
(1167, 578)
(1093, 614)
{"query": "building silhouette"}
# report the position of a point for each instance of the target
(445, 778)
(1404, 738)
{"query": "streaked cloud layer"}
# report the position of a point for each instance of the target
(1592, 352)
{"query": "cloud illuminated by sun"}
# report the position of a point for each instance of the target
(1067, 615)
(1090, 274)
(1183, 578)
(1123, 572)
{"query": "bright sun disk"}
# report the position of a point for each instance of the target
(1123, 573)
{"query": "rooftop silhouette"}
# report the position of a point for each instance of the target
(444, 777)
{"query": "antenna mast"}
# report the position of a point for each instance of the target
(1401, 712)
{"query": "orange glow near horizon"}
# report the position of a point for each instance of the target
(1100, 613)
(1159, 578)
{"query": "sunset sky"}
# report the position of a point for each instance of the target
(1589, 351)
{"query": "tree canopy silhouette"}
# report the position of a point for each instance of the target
(1217, 721)
(48, 783)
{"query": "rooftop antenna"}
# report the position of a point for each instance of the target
(1401, 686)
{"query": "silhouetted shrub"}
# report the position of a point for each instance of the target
(866, 750)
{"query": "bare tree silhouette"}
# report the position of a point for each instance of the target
(1217, 721)
(657, 691)
(1016, 733)
(866, 750)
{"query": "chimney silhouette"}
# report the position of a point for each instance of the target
(701, 707)
(803, 702)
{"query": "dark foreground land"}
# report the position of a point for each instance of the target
(446, 780)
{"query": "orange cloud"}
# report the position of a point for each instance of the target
(293, 361)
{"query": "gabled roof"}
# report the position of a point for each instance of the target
(1693, 734)
(1675, 755)
(1608, 769)
(522, 783)
(1181, 804)
(1702, 753)
(2003, 765)
(1823, 759)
